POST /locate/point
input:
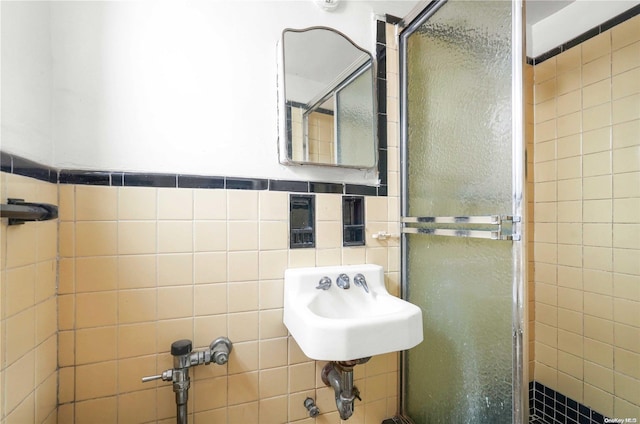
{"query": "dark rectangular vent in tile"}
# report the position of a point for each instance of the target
(302, 229)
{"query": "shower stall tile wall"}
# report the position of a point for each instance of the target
(586, 183)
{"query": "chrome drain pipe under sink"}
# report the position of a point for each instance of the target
(339, 375)
(183, 359)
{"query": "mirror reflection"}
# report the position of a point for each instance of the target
(327, 100)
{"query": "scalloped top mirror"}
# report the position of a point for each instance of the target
(327, 109)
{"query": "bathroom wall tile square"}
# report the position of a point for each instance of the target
(626, 362)
(598, 140)
(626, 210)
(66, 202)
(175, 203)
(175, 302)
(105, 408)
(627, 337)
(568, 81)
(626, 286)
(301, 258)
(626, 261)
(66, 240)
(570, 211)
(273, 353)
(546, 252)
(138, 406)
(302, 377)
(328, 207)
(626, 134)
(137, 203)
(19, 335)
(20, 288)
(328, 234)
(136, 306)
(96, 309)
(545, 90)
(137, 237)
(544, 151)
(596, 281)
(626, 236)
(243, 266)
(571, 365)
(21, 238)
(271, 325)
(274, 206)
(97, 273)
(243, 326)
(596, 70)
(598, 399)
(596, 47)
(66, 312)
(596, 117)
(570, 277)
(87, 375)
(626, 83)
(45, 320)
(545, 111)
(626, 312)
(545, 70)
(130, 370)
(210, 236)
(175, 236)
(568, 233)
(626, 109)
(96, 203)
(597, 210)
(243, 297)
(569, 60)
(626, 160)
(175, 269)
(569, 124)
(210, 267)
(626, 58)
(569, 103)
(598, 353)
(596, 93)
(570, 189)
(546, 355)
(354, 255)
(570, 321)
(597, 235)
(139, 339)
(570, 342)
(245, 358)
(570, 255)
(46, 360)
(209, 299)
(243, 388)
(273, 235)
(66, 384)
(598, 305)
(96, 345)
(207, 329)
(600, 187)
(569, 168)
(96, 238)
(242, 235)
(273, 410)
(598, 329)
(136, 271)
(210, 204)
(545, 171)
(546, 293)
(209, 394)
(273, 382)
(242, 205)
(544, 131)
(271, 294)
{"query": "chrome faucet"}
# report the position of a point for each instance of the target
(360, 281)
(343, 281)
(324, 283)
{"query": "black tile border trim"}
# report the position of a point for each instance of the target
(549, 406)
(607, 25)
(13, 164)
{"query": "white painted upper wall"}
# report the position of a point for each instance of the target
(185, 87)
(25, 35)
(572, 21)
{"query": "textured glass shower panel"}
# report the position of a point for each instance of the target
(354, 121)
(459, 163)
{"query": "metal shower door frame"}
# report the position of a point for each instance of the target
(520, 392)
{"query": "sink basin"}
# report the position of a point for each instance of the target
(344, 324)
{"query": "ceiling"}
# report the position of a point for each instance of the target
(537, 10)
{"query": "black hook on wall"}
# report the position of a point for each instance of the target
(18, 211)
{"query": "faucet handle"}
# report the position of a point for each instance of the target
(343, 281)
(324, 283)
(165, 376)
(360, 281)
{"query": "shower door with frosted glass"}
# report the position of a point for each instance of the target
(463, 176)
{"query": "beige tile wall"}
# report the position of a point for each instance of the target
(143, 267)
(28, 269)
(587, 221)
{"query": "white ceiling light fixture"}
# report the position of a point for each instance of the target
(327, 5)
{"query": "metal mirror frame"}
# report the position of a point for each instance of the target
(284, 131)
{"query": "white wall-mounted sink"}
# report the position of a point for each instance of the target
(339, 324)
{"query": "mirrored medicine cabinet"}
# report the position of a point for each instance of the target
(327, 102)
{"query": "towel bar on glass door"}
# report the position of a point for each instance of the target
(18, 211)
(492, 234)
